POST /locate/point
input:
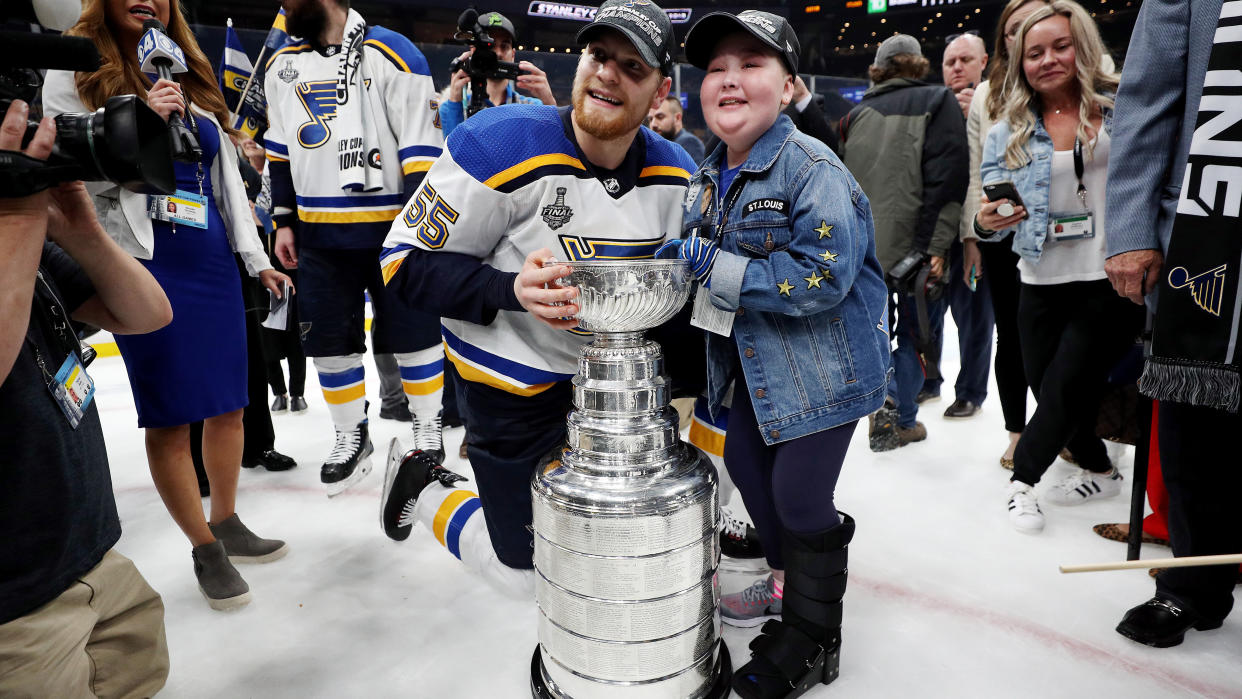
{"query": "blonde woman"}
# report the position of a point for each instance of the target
(1051, 144)
(195, 368)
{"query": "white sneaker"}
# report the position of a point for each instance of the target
(1024, 512)
(1083, 485)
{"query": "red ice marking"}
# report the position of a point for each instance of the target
(1021, 626)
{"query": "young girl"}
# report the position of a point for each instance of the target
(780, 237)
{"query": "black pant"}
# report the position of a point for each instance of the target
(1072, 334)
(1000, 265)
(1202, 475)
(506, 437)
(297, 376)
(787, 486)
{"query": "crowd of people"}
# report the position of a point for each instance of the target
(1054, 208)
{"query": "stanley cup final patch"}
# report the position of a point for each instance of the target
(557, 213)
(780, 206)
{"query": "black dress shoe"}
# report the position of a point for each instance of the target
(926, 396)
(271, 460)
(297, 404)
(1161, 623)
(399, 413)
(961, 408)
(279, 404)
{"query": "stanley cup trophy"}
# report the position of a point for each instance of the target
(625, 518)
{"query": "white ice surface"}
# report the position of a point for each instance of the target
(944, 600)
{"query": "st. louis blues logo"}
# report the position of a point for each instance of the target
(1206, 288)
(319, 99)
(557, 213)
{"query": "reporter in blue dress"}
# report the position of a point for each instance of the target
(195, 368)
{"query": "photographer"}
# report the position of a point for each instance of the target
(454, 108)
(76, 617)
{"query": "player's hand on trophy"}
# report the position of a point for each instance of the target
(699, 252)
(540, 293)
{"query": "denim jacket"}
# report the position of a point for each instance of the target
(797, 266)
(1031, 180)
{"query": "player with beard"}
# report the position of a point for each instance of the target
(517, 188)
(352, 131)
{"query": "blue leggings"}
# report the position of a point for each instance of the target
(787, 485)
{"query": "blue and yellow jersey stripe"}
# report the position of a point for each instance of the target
(276, 152)
(343, 387)
(397, 49)
(391, 259)
(451, 518)
(418, 158)
(708, 434)
(358, 208)
(300, 47)
(424, 379)
(481, 366)
(511, 178)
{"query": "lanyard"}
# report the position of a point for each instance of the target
(52, 316)
(709, 211)
(1079, 168)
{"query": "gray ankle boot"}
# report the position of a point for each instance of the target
(243, 546)
(218, 580)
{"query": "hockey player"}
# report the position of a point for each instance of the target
(352, 131)
(517, 188)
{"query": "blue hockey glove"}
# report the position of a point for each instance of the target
(670, 250)
(701, 253)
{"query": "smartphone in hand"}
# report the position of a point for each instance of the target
(1004, 190)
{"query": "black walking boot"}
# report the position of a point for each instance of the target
(803, 649)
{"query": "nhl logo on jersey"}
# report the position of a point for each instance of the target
(557, 213)
(612, 185)
(288, 73)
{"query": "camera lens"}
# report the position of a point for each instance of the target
(124, 142)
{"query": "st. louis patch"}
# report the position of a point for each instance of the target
(780, 206)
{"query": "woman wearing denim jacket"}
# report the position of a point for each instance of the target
(780, 237)
(1052, 143)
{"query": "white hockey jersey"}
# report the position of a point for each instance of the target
(300, 84)
(511, 181)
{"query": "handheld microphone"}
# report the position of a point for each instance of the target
(159, 54)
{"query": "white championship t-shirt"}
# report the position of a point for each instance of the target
(1080, 260)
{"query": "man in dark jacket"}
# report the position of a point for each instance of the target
(905, 143)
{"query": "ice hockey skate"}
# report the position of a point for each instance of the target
(428, 437)
(405, 476)
(350, 460)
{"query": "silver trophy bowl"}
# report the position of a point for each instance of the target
(617, 296)
(626, 517)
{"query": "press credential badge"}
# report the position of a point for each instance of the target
(182, 208)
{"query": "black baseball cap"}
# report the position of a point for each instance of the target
(495, 20)
(772, 30)
(643, 23)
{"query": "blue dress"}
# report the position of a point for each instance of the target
(195, 367)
